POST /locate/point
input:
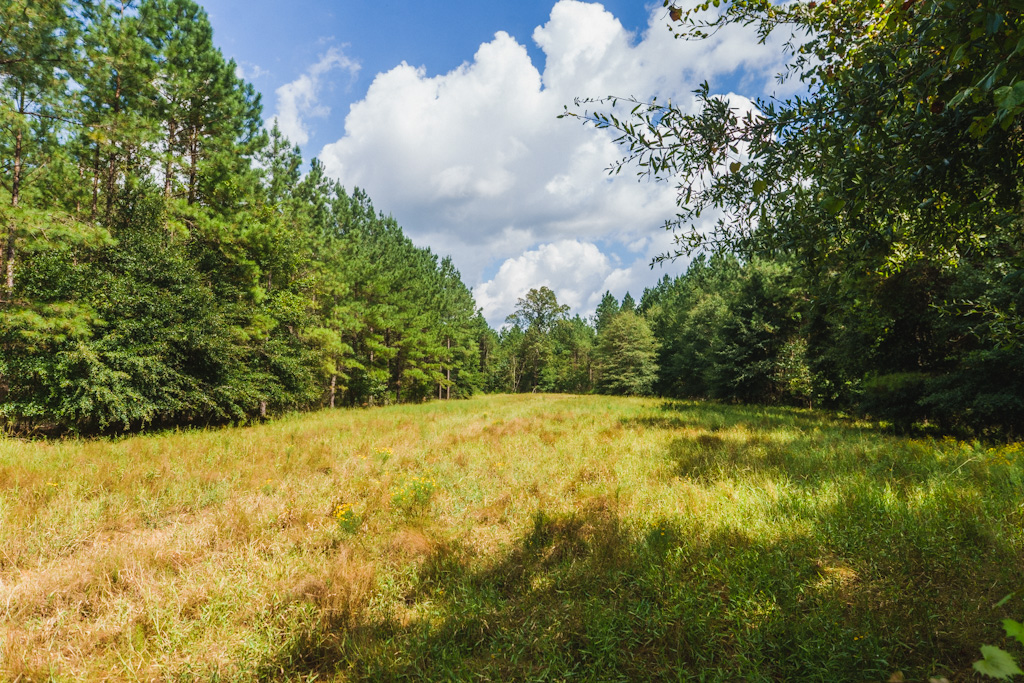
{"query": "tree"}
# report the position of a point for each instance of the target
(898, 170)
(536, 315)
(36, 43)
(117, 101)
(210, 118)
(573, 340)
(928, 85)
(153, 274)
(627, 356)
(607, 309)
(539, 309)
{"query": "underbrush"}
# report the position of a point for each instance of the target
(510, 538)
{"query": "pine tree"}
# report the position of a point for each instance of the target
(210, 117)
(118, 101)
(627, 356)
(606, 310)
(36, 44)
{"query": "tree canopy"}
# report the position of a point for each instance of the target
(890, 187)
(166, 260)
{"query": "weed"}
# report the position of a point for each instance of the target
(414, 494)
(346, 518)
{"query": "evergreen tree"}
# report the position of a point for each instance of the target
(118, 101)
(36, 46)
(607, 309)
(627, 356)
(628, 304)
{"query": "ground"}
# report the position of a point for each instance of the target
(531, 537)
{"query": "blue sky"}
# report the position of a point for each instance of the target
(446, 113)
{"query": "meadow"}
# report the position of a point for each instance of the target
(530, 537)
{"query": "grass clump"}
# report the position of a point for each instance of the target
(510, 538)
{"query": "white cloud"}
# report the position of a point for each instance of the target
(299, 100)
(579, 273)
(476, 164)
(571, 268)
(249, 71)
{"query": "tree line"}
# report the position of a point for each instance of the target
(166, 260)
(868, 251)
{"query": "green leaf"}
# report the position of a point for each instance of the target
(1008, 97)
(1014, 629)
(735, 167)
(833, 205)
(997, 663)
(759, 187)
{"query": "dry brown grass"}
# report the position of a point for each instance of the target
(291, 548)
(131, 558)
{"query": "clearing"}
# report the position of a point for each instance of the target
(532, 537)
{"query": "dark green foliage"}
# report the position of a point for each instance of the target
(890, 193)
(732, 331)
(896, 397)
(543, 349)
(626, 356)
(225, 292)
(606, 310)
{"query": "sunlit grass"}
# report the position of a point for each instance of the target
(509, 538)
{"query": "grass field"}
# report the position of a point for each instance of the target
(510, 538)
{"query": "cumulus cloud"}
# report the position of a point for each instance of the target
(573, 269)
(579, 272)
(476, 163)
(299, 100)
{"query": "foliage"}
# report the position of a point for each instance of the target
(165, 260)
(996, 662)
(626, 355)
(889, 186)
(731, 330)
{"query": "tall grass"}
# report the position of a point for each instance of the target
(509, 538)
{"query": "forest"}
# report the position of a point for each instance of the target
(168, 260)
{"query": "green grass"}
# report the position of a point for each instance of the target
(510, 538)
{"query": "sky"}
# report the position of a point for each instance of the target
(446, 113)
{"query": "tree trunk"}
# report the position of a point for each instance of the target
(78, 194)
(448, 387)
(16, 180)
(15, 200)
(95, 183)
(334, 386)
(112, 157)
(9, 260)
(169, 164)
(193, 166)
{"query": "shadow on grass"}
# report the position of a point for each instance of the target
(716, 416)
(718, 442)
(588, 596)
(870, 555)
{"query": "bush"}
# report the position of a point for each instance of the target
(895, 398)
